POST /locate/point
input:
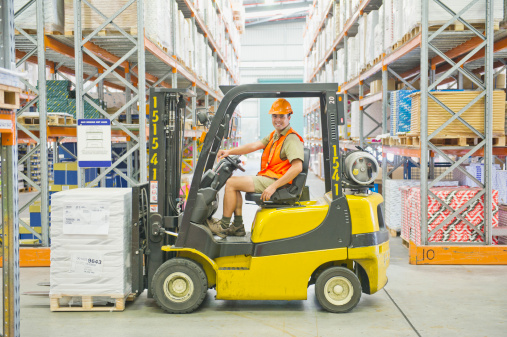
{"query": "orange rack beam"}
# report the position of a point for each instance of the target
(463, 254)
(33, 257)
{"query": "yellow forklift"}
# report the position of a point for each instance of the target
(337, 243)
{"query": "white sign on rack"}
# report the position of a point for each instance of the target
(94, 142)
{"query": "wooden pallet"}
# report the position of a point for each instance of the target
(452, 140)
(53, 120)
(87, 303)
(106, 32)
(405, 243)
(9, 97)
(393, 232)
(34, 32)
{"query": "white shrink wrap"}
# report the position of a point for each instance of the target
(393, 199)
(438, 16)
(370, 42)
(91, 242)
(54, 15)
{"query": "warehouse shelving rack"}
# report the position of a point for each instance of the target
(121, 61)
(9, 188)
(451, 56)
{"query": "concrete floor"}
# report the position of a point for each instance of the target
(418, 300)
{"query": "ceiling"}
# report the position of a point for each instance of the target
(268, 11)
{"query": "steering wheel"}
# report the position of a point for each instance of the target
(235, 161)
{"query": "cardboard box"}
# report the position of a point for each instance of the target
(376, 86)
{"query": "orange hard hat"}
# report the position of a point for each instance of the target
(280, 107)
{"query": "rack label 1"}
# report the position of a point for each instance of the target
(94, 142)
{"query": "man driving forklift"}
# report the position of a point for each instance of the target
(282, 160)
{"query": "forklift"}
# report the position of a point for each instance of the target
(338, 242)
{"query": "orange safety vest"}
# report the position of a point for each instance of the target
(271, 164)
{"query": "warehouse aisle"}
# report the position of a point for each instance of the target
(431, 298)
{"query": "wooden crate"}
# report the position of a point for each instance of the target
(87, 303)
(9, 97)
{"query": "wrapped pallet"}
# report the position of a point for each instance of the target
(361, 41)
(371, 42)
(352, 61)
(393, 199)
(91, 244)
(54, 16)
(456, 100)
(438, 16)
(502, 223)
(159, 26)
(90, 20)
(455, 230)
(389, 25)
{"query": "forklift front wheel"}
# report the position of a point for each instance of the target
(338, 289)
(179, 286)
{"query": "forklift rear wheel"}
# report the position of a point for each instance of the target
(338, 289)
(179, 286)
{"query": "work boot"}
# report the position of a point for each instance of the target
(235, 230)
(216, 227)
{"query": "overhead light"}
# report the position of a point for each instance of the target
(269, 2)
(283, 11)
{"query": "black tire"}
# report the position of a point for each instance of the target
(333, 301)
(179, 286)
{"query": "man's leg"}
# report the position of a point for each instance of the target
(233, 202)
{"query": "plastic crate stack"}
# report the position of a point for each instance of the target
(455, 230)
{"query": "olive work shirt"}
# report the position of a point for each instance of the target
(292, 148)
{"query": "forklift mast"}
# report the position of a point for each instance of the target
(167, 119)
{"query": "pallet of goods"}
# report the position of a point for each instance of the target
(90, 249)
(455, 230)
(457, 100)
(394, 199)
(54, 16)
(502, 222)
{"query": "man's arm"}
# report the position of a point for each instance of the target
(292, 172)
(243, 149)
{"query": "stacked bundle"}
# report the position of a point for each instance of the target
(90, 243)
(457, 100)
(401, 106)
(393, 199)
(453, 231)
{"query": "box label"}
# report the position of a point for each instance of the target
(86, 218)
(87, 263)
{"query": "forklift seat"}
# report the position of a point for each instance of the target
(289, 194)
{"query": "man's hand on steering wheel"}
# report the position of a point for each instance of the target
(222, 154)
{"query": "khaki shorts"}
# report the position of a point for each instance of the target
(261, 183)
